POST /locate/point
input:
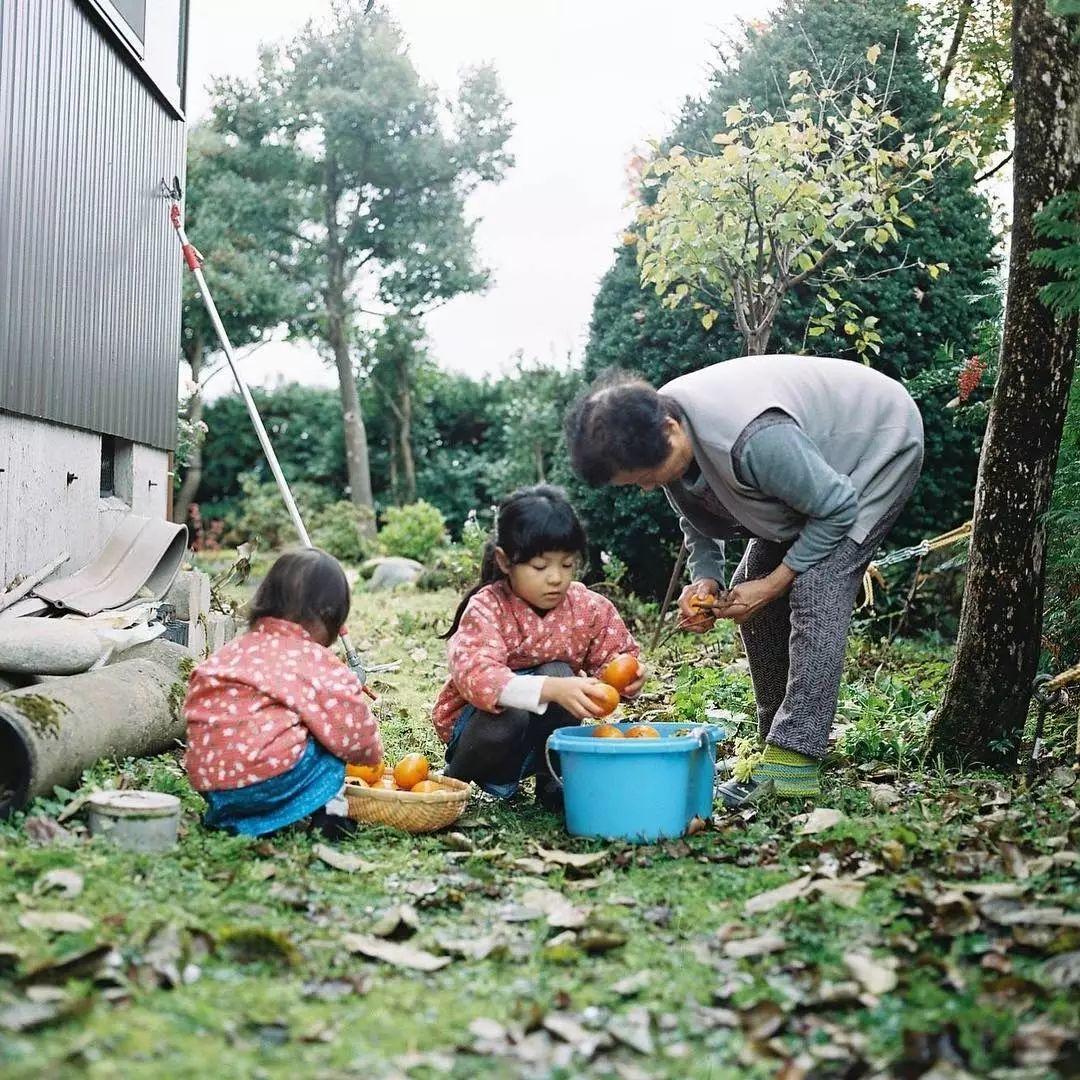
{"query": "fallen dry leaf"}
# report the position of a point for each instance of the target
(876, 977)
(755, 946)
(818, 820)
(488, 1030)
(55, 922)
(31, 1016)
(883, 796)
(601, 939)
(576, 859)
(1063, 777)
(843, 891)
(1007, 890)
(1063, 970)
(82, 964)
(1015, 864)
(632, 984)
(566, 1027)
(68, 883)
(533, 866)
(634, 1029)
(561, 914)
(1010, 913)
(391, 952)
(342, 860)
(43, 830)
(400, 921)
(772, 898)
(762, 1021)
(697, 825)
(1038, 1043)
(473, 948)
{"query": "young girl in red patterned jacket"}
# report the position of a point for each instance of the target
(525, 647)
(273, 717)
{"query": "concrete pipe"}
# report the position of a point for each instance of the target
(52, 732)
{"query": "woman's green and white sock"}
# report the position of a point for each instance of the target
(793, 775)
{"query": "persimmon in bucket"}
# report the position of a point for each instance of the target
(642, 731)
(607, 731)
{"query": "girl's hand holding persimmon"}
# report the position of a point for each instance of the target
(573, 694)
(632, 689)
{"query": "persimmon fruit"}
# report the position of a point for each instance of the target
(427, 786)
(642, 731)
(607, 731)
(411, 770)
(621, 671)
(607, 697)
(370, 774)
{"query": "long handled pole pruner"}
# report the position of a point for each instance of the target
(194, 262)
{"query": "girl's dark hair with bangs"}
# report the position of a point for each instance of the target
(306, 586)
(529, 522)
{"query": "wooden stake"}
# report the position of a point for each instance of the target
(672, 584)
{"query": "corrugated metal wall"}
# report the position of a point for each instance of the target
(89, 265)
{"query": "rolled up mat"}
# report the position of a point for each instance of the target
(52, 732)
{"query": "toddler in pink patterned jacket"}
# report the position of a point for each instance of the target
(525, 647)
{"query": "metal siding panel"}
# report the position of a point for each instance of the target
(89, 266)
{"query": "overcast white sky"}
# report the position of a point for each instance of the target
(588, 81)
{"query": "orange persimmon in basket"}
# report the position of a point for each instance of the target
(411, 770)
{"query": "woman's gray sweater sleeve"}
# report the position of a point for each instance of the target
(779, 460)
(705, 557)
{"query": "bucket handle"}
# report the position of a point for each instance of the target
(551, 769)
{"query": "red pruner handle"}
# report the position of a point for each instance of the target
(174, 215)
(192, 257)
(370, 693)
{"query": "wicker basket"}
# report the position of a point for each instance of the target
(424, 811)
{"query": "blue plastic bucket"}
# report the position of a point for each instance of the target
(635, 789)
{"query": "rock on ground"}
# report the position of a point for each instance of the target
(394, 571)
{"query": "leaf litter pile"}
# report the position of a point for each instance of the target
(909, 925)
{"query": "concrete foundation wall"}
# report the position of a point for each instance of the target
(43, 514)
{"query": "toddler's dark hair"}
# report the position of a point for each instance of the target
(617, 425)
(529, 522)
(306, 586)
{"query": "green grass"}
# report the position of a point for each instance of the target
(273, 917)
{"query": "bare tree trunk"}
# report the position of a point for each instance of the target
(989, 688)
(395, 481)
(757, 340)
(538, 456)
(189, 486)
(408, 462)
(357, 461)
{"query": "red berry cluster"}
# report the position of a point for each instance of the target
(970, 376)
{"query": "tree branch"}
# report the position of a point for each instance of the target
(996, 169)
(954, 48)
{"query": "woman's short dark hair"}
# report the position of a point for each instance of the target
(306, 586)
(617, 425)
